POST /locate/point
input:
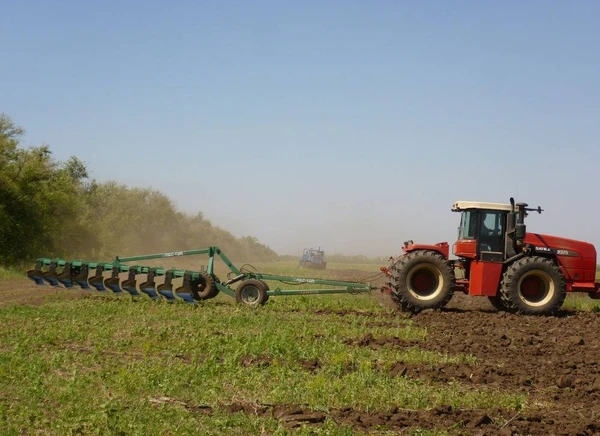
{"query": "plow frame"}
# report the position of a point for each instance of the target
(123, 265)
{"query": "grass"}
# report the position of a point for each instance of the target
(104, 365)
(10, 273)
(112, 365)
(581, 302)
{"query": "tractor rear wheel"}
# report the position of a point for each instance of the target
(533, 285)
(422, 280)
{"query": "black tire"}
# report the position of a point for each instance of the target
(214, 290)
(266, 288)
(533, 285)
(422, 280)
(251, 292)
(203, 288)
(496, 301)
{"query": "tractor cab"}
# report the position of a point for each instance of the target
(481, 233)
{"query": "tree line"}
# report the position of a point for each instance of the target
(53, 208)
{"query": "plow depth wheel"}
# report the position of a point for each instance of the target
(251, 292)
(204, 288)
(533, 285)
(422, 280)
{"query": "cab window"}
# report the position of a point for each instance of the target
(468, 225)
(491, 234)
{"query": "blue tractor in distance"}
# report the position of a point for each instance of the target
(313, 258)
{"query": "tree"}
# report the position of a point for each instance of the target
(38, 198)
(50, 209)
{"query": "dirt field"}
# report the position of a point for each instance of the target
(23, 291)
(551, 360)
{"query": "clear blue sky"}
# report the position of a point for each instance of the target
(352, 125)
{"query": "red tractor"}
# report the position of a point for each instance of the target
(518, 271)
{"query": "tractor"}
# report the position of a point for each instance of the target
(518, 271)
(313, 258)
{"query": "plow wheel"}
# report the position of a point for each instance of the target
(204, 288)
(266, 289)
(533, 285)
(252, 292)
(422, 280)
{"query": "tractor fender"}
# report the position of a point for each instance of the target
(442, 248)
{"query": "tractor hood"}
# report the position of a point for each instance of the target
(560, 246)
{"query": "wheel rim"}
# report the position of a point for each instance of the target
(536, 288)
(424, 282)
(250, 294)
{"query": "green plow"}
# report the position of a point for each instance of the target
(197, 286)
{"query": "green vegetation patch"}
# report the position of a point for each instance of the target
(10, 273)
(88, 365)
(581, 302)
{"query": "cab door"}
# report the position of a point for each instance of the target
(491, 231)
(466, 244)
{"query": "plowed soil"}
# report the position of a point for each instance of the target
(554, 361)
(24, 291)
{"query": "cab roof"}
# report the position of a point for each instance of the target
(464, 205)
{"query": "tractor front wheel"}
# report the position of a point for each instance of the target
(533, 285)
(422, 280)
